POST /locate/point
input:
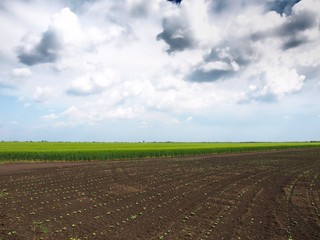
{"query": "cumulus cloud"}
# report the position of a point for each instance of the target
(188, 26)
(252, 42)
(274, 83)
(292, 29)
(91, 114)
(46, 51)
(176, 34)
(64, 30)
(92, 83)
(83, 86)
(158, 59)
(282, 6)
(221, 63)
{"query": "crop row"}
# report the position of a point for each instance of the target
(210, 203)
(201, 198)
(80, 192)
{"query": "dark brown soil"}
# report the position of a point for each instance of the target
(265, 195)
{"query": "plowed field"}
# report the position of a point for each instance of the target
(266, 195)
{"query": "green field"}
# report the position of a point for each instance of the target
(88, 151)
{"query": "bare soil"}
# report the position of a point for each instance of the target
(257, 195)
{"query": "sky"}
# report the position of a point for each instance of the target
(138, 70)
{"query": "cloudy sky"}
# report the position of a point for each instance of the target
(134, 70)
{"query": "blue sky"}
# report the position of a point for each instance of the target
(134, 70)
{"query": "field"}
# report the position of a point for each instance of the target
(256, 195)
(66, 151)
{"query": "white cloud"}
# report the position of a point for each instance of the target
(63, 37)
(98, 36)
(92, 83)
(17, 17)
(50, 116)
(108, 60)
(67, 24)
(189, 27)
(309, 5)
(281, 81)
(42, 94)
(92, 114)
(73, 112)
(22, 72)
(198, 16)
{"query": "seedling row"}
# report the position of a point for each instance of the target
(257, 196)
